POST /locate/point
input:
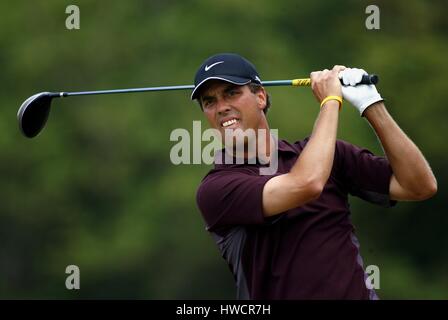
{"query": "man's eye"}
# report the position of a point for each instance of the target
(206, 104)
(233, 92)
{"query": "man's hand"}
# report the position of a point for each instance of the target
(360, 96)
(326, 83)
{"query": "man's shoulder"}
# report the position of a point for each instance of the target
(224, 175)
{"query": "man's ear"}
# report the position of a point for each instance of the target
(261, 98)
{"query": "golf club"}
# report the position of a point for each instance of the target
(34, 111)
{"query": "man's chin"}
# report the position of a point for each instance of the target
(233, 133)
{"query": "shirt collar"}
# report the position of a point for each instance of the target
(285, 146)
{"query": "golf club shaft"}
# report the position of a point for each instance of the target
(367, 79)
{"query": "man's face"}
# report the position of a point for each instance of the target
(229, 106)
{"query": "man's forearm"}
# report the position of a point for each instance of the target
(409, 166)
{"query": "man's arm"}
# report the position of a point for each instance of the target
(412, 177)
(308, 176)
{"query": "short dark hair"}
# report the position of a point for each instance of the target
(254, 88)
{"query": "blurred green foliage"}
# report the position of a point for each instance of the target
(97, 188)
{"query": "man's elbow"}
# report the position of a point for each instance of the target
(431, 190)
(427, 191)
(315, 189)
(306, 190)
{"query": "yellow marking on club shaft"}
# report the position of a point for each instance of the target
(301, 82)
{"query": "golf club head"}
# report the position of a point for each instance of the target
(33, 113)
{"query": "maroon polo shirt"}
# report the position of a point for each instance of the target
(309, 252)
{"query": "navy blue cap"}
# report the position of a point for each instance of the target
(228, 67)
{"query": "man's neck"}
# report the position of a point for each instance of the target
(264, 145)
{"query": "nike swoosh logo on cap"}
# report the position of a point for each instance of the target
(212, 65)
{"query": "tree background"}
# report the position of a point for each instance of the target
(97, 188)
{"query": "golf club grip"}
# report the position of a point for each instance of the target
(369, 79)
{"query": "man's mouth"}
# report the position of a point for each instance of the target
(227, 123)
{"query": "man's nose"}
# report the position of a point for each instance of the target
(223, 106)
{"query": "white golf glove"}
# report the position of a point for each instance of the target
(360, 96)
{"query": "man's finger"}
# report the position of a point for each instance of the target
(359, 74)
(344, 75)
(338, 68)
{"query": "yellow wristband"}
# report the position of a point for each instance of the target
(337, 98)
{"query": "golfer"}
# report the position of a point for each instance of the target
(288, 235)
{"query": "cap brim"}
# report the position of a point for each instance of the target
(235, 80)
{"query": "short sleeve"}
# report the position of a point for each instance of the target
(365, 175)
(227, 198)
